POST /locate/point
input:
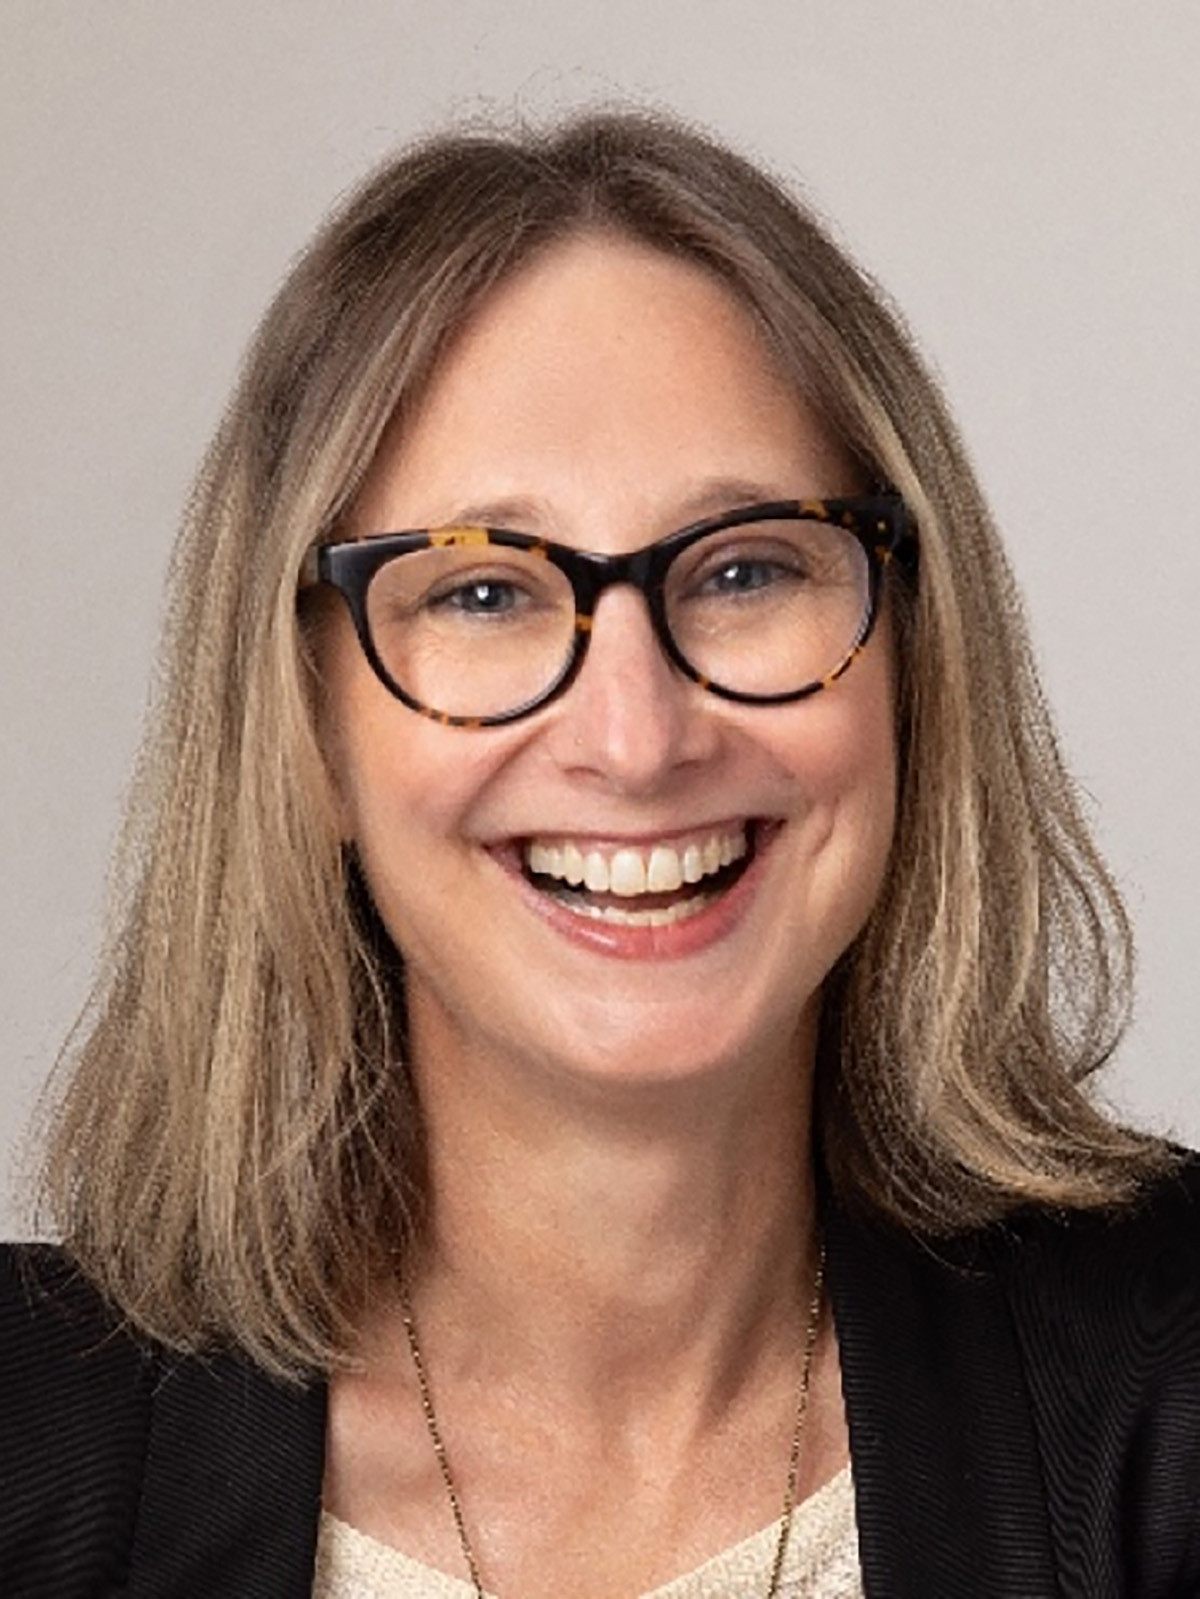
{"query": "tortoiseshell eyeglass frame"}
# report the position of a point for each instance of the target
(880, 521)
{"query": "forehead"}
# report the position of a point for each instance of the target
(602, 371)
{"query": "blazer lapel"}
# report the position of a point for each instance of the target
(232, 1487)
(947, 1477)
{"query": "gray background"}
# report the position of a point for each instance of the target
(1024, 175)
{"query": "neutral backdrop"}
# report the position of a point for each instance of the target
(1023, 175)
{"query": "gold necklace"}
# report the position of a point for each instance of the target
(789, 1491)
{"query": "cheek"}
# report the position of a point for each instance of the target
(397, 816)
(868, 804)
(843, 747)
(842, 762)
(394, 794)
(371, 742)
(407, 789)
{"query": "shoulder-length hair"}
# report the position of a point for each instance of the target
(238, 1151)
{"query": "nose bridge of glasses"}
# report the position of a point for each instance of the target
(591, 574)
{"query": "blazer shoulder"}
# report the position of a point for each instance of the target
(1115, 1293)
(1023, 1399)
(1151, 1245)
(1106, 1309)
(56, 1329)
(61, 1344)
(75, 1399)
(127, 1468)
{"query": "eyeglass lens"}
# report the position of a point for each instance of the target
(760, 609)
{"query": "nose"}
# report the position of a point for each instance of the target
(630, 718)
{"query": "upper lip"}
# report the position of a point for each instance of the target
(601, 839)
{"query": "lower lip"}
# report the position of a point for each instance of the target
(690, 936)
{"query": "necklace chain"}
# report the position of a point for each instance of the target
(789, 1491)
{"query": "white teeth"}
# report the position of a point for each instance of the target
(665, 872)
(572, 866)
(629, 872)
(626, 918)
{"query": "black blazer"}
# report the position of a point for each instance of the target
(1024, 1412)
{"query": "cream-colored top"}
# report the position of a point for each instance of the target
(821, 1562)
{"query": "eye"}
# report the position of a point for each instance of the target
(509, 593)
(744, 568)
(483, 596)
(745, 574)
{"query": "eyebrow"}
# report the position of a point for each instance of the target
(729, 493)
(494, 513)
(708, 499)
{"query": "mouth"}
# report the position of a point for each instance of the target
(648, 884)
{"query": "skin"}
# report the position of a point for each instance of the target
(613, 1301)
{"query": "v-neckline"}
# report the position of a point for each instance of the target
(827, 1513)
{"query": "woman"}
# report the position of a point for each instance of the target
(581, 1068)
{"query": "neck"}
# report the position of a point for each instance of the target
(610, 1238)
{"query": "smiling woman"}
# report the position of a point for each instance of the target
(603, 396)
(588, 1092)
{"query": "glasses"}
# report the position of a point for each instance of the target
(478, 626)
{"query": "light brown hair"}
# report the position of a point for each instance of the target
(238, 1151)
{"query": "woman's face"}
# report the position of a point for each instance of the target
(606, 397)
